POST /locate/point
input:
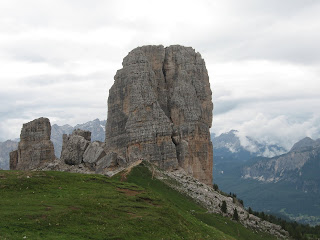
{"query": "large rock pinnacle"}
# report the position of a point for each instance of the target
(35, 146)
(160, 110)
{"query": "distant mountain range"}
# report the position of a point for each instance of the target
(229, 147)
(288, 184)
(300, 166)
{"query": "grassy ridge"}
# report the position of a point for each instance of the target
(59, 205)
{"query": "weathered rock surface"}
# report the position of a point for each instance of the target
(94, 152)
(160, 110)
(74, 146)
(96, 127)
(35, 146)
(91, 157)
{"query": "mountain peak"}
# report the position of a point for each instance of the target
(305, 142)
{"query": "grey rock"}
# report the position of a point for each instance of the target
(94, 152)
(160, 110)
(105, 162)
(35, 146)
(96, 127)
(109, 163)
(74, 146)
(83, 133)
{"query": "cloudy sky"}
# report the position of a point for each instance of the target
(58, 59)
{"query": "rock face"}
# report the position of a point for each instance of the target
(74, 146)
(35, 146)
(160, 110)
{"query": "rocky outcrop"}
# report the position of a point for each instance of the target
(77, 149)
(35, 146)
(160, 110)
(74, 146)
(96, 127)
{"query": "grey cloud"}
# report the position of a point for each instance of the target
(225, 105)
(278, 31)
(49, 79)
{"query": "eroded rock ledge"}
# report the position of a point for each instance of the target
(160, 110)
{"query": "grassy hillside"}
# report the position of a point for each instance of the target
(59, 205)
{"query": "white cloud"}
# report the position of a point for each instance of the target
(58, 58)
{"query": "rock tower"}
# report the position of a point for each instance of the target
(35, 146)
(160, 110)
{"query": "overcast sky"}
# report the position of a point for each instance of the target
(58, 59)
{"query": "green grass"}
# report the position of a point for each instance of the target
(60, 205)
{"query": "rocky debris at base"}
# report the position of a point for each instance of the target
(78, 150)
(59, 165)
(212, 200)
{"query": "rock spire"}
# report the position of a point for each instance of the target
(160, 110)
(35, 146)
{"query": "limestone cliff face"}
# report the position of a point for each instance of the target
(160, 110)
(35, 146)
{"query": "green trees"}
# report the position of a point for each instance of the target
(224, 207)
(235, 215)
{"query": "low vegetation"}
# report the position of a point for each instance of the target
(296, 230)
(60, 205)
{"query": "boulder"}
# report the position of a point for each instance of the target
(74, 146)
(109, 162)
(93, 154)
